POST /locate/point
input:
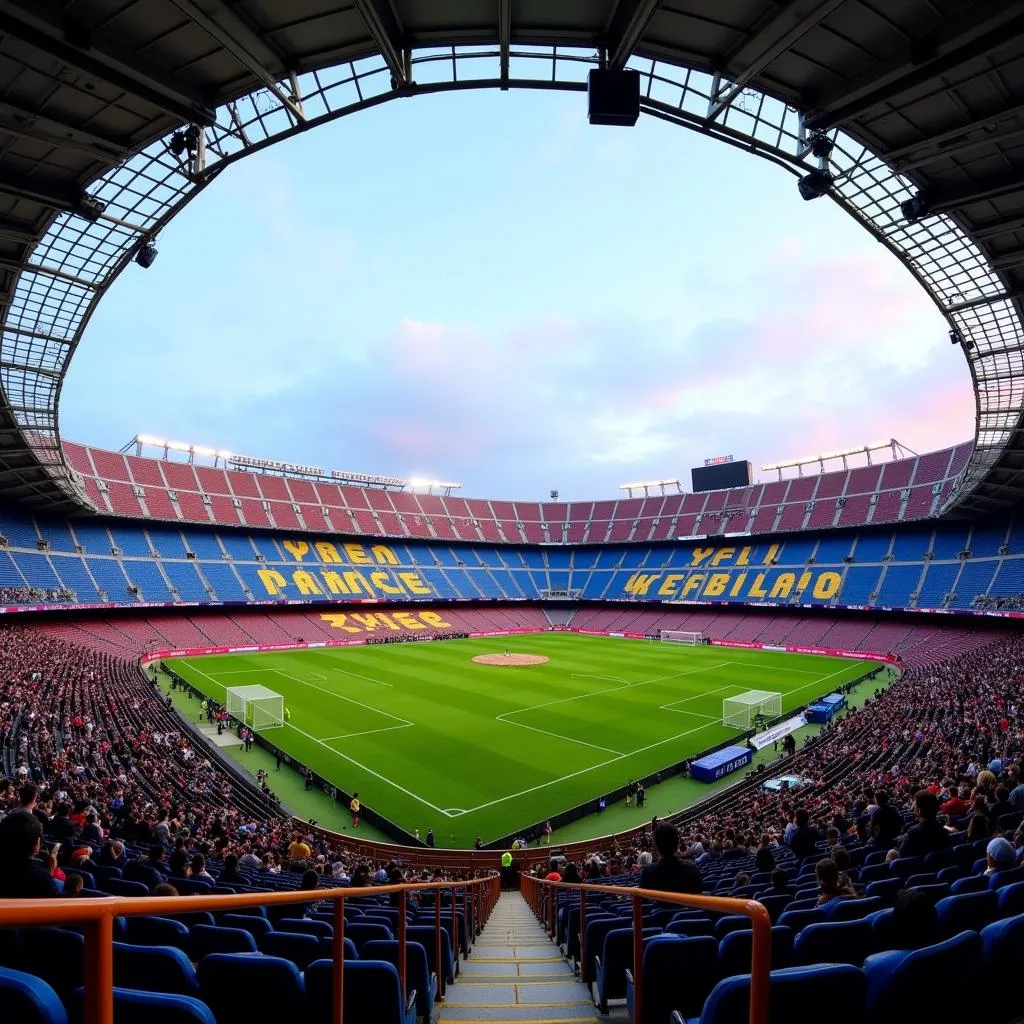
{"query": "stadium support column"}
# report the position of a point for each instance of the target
(382, 24)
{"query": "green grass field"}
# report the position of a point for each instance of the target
(432, 740)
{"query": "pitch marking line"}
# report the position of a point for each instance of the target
(340, 696)
(351, 760)
(555, 735)
(365, 732)
(356, 675)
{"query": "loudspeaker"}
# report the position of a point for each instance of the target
(613, 97)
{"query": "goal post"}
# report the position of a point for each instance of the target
(680, 636)
(256, 706)
(739, 712)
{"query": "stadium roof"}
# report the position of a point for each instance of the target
(115, 113)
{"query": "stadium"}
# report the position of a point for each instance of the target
(279, 738)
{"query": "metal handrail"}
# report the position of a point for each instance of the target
(542, 897)
(97, 915)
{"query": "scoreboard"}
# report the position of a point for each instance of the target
(720, 473)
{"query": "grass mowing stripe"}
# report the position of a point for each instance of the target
(493, 748)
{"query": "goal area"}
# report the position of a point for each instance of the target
(740, 712)
(256, 706)
(680, 636)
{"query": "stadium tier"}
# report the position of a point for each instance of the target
(143, 488)
(935, 566)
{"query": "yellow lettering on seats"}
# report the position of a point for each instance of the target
(387, 622)
(671, 584)
(272, 580)
(737, 584)
(805, 578)
(357, 554)
(335, 584)
(699, 555)
(339, 621)
(717, 582)
(383, 555)
(369, 621)
(298, 549)
(692, 585)
(305, 582)
(757, 587)
(640, 582)
(771, 554)
(744, 556)
(783, 586)
(435, 620)
(408, 620)
(827, 585)
(722, 555)
(412, 582)
(356, 583)
(382, 581)
(327, 552)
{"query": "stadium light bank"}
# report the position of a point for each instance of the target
(647, 485)
(898, 451)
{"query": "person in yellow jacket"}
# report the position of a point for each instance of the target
(506, 859)
(354, 808)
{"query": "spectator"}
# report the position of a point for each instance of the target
(21, 875)
(803, 840)
(670, 873)
(1000, 856)
(927, 835)
(886, 823)
(833, 883)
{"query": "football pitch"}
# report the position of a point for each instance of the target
(430, 739)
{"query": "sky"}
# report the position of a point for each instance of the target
(483, 288)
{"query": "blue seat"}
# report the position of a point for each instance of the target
(593, 940)
(731, 923)
(691, 928)
(972, 883)
(1001, 944)
(679, 973)
(326, 947)
(1009, 877)
(900, 979)
(885, 889)
(417, 970)
(775, 905)
(125, 887)
(232, 985)
(205, 939)
(933, 892)
(361, 933)
(797, 919)
(304, 926)
(616, 957)
(191, 919)
(301, 950)
(971, 911)
(853, 910)
(425, 936)
(135, 1007)
(904, 867)
(191, 886)
(1011, 899)
(372, 992)
(155, 969)
(256, 926)
(141, 872)
(836, 942)
(27, 999)
(57, 956)
(736, 949)
(798, 996)
(156, 931)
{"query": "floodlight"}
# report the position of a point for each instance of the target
(955, 337)
(147, 256)
(820, 145)
(149, 439)
(177, 143)
(90, 207)
(814, 185)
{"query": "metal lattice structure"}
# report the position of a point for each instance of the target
(116, 113)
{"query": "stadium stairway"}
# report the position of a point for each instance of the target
(515, 974)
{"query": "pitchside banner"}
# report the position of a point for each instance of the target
(776, 732)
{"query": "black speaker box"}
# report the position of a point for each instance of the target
(613, 97)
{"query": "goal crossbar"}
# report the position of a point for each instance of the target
(680, 636)
(740, 711)
(256, 706)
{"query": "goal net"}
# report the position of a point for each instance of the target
(680, 636)
(740, 712)
(256, 706)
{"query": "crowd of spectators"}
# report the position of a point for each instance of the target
(36, 595)
(944, 743)
(95, 754)
(992, 603)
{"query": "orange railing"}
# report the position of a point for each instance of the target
(97, 917)
(542, 897)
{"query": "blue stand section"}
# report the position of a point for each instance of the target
(821, 713)
(721, 763)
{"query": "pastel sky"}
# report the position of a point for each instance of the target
(484, 288)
